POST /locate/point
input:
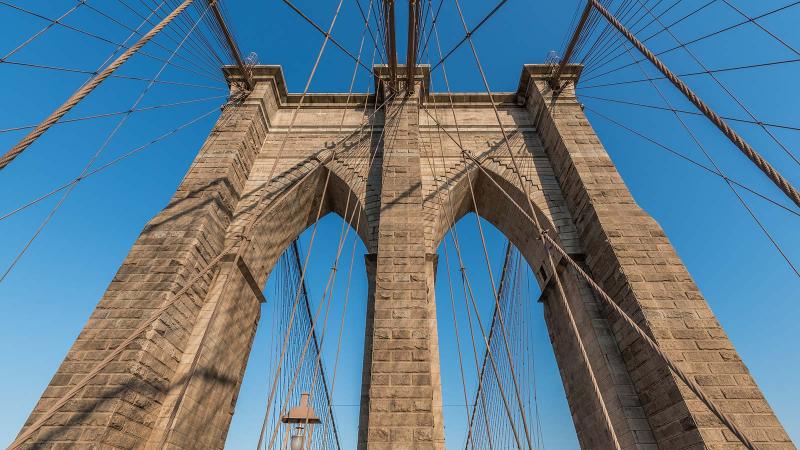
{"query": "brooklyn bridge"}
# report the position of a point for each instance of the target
(418, 260)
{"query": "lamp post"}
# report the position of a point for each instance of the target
(300, 422)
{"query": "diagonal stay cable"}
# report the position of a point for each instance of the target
(602, 58)
(541, 232)
(281, 149)
(375, 51)
(46, 28)
(119, 113)
(469, 33)
(466, 287)
(424, 45)
(91, 161)
(687, 112)
(438, 190)
(705, 36)
(109, 164)
(208, 69)
(717, 168)
(469, 294)
(117, 76)
(742, 145)
(233, 248)
(626, 13)
(454, 237)
(103, 39)
(606, 61)
(725, 88)
(524, 186)
(692, 161)
(343, 234)
(169, 32)
(367, 17)
(81, 93)
(694, 74)
(328, 35)
(758, 24)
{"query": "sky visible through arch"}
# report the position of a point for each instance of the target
(51, 292)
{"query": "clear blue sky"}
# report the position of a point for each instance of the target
(50, 293)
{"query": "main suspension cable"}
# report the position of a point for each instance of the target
(88, 88)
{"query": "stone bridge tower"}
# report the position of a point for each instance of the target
(176, 385)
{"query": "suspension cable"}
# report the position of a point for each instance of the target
(726, 89)
(705, 36)
(328, 291)
(234, 248)
(88, 88)
(718, 170)
(89, 163)
(524, 186)
(97, 37)
(118, 76)
(105, 166)
(607, 60)
(46, 28)
(729, 132)
(692, 161)
(327, 34)
(469, 33)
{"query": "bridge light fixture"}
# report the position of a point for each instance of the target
(300, 422)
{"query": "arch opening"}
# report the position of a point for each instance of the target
(543, 398)
(337, 302)
(502, 219)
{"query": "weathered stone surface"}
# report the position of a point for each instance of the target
(401, 184)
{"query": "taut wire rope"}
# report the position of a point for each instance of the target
(698, 39)
(465, 279)
(88, 88)
(111, 163)
(117, 76)
(692, 161)
(97, 37)
(734, 137)
(683, 111)
(438, 191)
(46, 28)
(206, 69)
(727, 91)
(608, 59)
(283, 143)
(607, 418)
(718, 170)
(92, 159)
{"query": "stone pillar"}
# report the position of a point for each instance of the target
(121, 406)
(398, 407)
(617, 390)
(212, 365)
(629, 255)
